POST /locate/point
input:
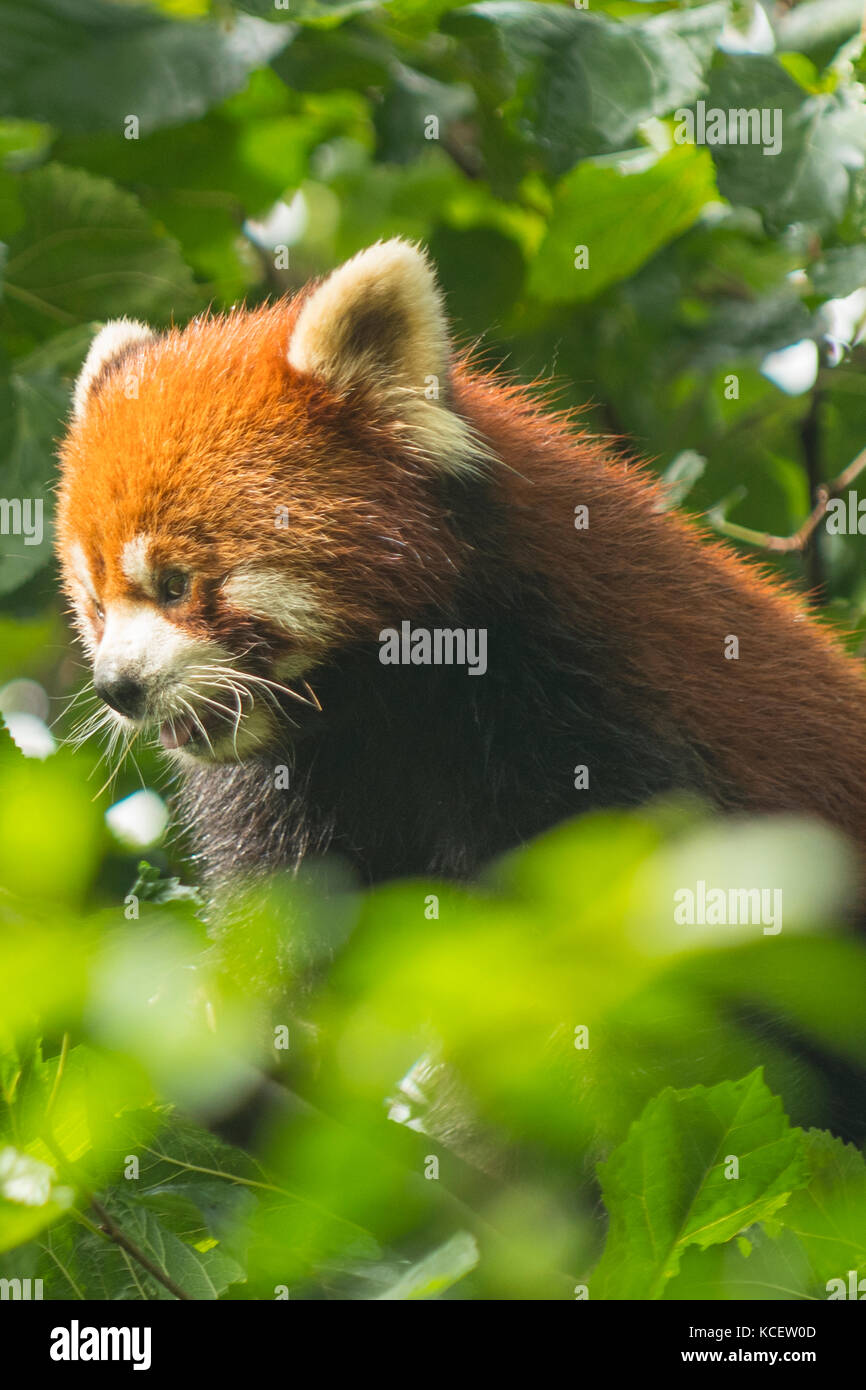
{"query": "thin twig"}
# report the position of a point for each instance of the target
(810, 440)
(108, 1226)
(797, 542)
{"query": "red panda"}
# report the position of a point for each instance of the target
(268, 518)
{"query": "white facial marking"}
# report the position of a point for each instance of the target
(80, 571)
(135, 563)
(290, 604)
(81, 589)
(141, 643)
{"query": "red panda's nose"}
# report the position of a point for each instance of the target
(122, 692)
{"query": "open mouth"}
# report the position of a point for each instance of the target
(183, 730)
(216, 729)
(177, 733)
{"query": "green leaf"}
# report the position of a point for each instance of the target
(200, 1213)
(823, 144)
(666, 1187)
(107, 1271)
(32, 408)
(237, 162)
(839, 272)
(89, 65)
(438, 1271)
(581, 83)
(482, 272)
(828, 1216)
(752, 327)
(322, 14)
(88, 250)
(810, 1248)
(191, 1227)
(350, 58)
(150, 886)
(22, 141)
(623, 215)
(183, 1152)
(401, 118)
(818, 26)
(423, 14)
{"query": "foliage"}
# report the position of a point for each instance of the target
(125, 1039)
(157, 159)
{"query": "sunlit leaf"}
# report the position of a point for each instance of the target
(673, 1183)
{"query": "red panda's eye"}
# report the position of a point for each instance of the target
(173, 586)
(99, 611)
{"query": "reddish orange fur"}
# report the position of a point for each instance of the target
(220, 414)
(788, 718)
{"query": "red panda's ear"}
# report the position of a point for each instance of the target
(113, 341)
(378, 315)
(378, 324)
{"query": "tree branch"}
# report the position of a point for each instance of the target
(109, 1227)
(810, 440)
(797, 542)
(463, 156)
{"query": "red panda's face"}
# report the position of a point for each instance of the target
(242, 498)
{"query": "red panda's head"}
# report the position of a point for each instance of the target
(241, 498)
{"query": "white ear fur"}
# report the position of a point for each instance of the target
(381, 312)
(378, 322)
(112, 340)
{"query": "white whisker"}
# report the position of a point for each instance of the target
(245, 676)
(196, 721)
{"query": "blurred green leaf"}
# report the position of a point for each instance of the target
(828, 1215)
(36, 403)
(150, 886)
(535, 1021)
(30, 1197)
(46, 816)
(238, 161)
(403, 118)
(823, 143)
(818, 26)
(323, 14)
(582, 83)
(438, 1271)
(113, 260)
(840, 271)
(90, 65)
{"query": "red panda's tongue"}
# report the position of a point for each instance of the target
(175, 733)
